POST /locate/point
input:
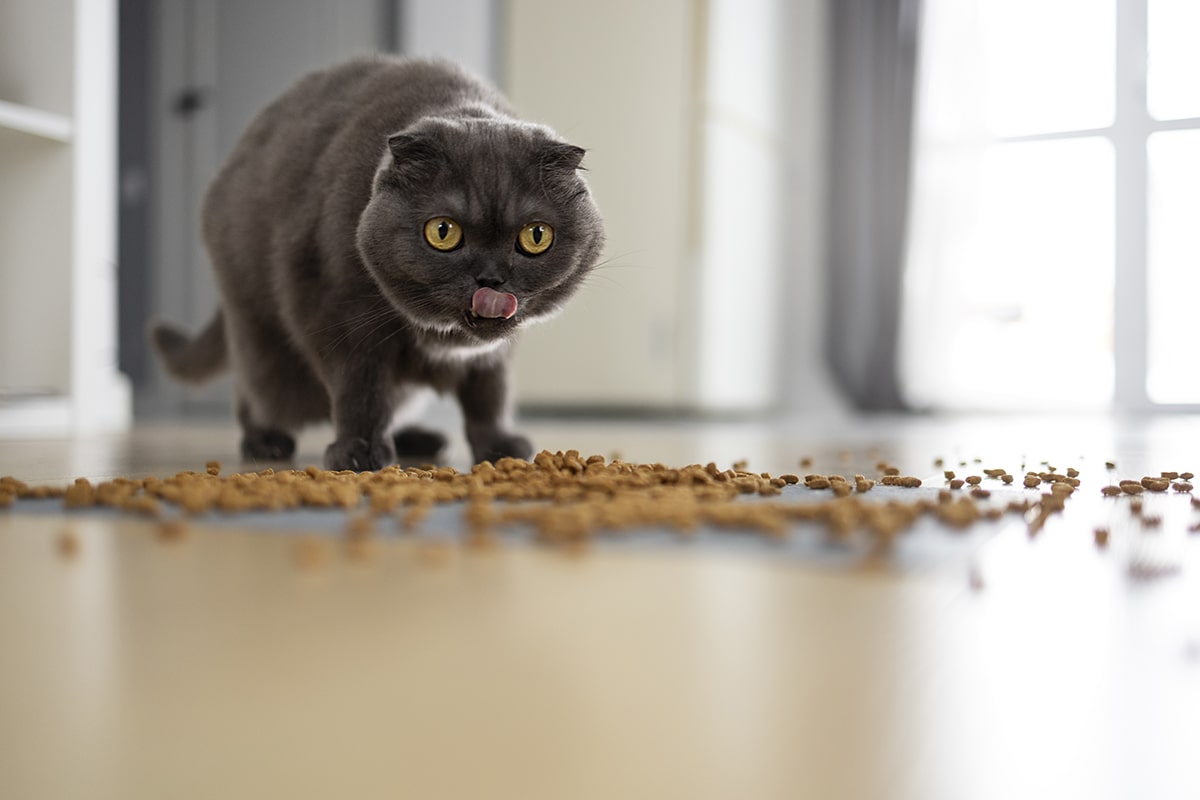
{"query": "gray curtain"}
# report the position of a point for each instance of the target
(874, 51)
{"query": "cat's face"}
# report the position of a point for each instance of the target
(477, 227)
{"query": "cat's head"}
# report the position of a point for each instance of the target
(479, 225)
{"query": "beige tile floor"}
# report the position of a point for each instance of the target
(214, 667)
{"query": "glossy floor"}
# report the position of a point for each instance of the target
(217, 665)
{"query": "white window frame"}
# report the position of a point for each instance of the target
(1130, 135)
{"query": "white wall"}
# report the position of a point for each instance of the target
(703, 120)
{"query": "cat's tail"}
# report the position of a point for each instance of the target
(192, 359)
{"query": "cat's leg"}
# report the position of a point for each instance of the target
(413, 441)
(260, 443)
(362, 413)
(277, 391)
(484, 397)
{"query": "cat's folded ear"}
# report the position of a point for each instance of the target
(560, 156)
(414, 155)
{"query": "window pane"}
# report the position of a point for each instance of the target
(1019, 313)
(1050, 64)
(1173, 274)
(1174, 59)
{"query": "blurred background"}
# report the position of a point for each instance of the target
(813, 205)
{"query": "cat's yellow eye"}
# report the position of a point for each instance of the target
(443, 233)
(535, 238)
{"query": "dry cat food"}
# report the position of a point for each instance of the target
(565, 498)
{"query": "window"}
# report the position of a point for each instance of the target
(1053, 253)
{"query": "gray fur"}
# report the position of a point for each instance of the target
(334, 305)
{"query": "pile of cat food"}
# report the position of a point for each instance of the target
(566, 498)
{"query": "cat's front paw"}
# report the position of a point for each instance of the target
(501, 445)
(357, 454)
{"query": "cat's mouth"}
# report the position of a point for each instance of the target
(490, 304)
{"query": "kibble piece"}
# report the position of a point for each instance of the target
(907, 481)
(995, 473)
(817, 482)
(172, 530)
(67, 544)
(1170, 475)
(1111, 491)
(213, 467)
(1132, 488)
(981, 494)
(434, 553)
(974, 480)
(949, 474)
(1110, 465)
(1187, 476)
(1101, 537)
(1032, 481)
(80, 494)
(1008, 479)
(1182, 486)
(309, 552)
(1156, 484)
(957, 483)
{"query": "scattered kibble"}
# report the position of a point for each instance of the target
(565, 498)
(1101, 536)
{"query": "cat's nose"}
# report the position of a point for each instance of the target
(490, 278)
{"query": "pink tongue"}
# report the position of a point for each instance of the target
(490, 303)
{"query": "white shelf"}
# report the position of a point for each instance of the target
(58, 304)
(35, 122)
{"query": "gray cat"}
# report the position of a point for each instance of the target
(385, 227)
